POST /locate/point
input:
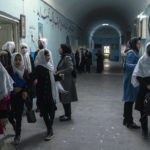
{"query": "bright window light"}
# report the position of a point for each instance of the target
(106, 49)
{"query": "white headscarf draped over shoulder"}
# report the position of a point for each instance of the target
(26, 58)
(142, 68)
(44, 43)
(41, 61)
(9, 46)
(6, 83)
(20, 70)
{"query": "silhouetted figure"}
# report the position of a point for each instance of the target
(88, 61)
(100, 62)
(82, 64)
(77, 58)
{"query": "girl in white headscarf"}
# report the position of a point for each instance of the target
(5, 89)
(5, 55)
(141, 77)
(6, 83)
(47, 93)
(43, 46)
(19, 95)
(9, 46)
(26, 57)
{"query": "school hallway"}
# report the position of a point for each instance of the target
(97, 119)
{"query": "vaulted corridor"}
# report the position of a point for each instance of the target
(97, 119)
(86, 27)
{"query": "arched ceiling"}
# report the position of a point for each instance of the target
(106, 32)
(86, 13)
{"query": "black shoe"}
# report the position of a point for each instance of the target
(133, 126)
(65, 118)
(17, 140)
(37, 110)
(49, 135)
(62, 116)
(124, 122)
(145, 134)
(41, 115)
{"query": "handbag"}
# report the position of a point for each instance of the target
(31, 118)
(147, 104)
(74, 74)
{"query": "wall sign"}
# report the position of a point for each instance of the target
(23, 26)
(40, 30)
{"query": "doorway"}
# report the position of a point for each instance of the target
(9, 30)
(106, 52)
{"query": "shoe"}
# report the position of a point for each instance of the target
(145, 134)
(41, 115)
(124, 122)
(17, 140)
(65, 118)
(49, 135)
(133, 126)
(62, 116)
(37, 110)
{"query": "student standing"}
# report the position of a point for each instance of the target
(42, 44)
(29, 67)
(66, 67)
(141, 77)
(130, 93)
(5, 89)
(19, 95)
(5, 55)
(47, 93)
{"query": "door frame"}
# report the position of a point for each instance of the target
(16, 24)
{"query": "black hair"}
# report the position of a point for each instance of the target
(66, 49)
(46, 52)
(18, 55)
(132, 44)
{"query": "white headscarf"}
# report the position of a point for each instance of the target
(9, 46)
(26, 58)
(142, 68)
(20, 70)
(44, 43)
(6, 83)
(41, 61)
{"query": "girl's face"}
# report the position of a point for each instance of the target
(47, 57)
(60, 51)
(24, 49)
(138, 44)
(17, 61)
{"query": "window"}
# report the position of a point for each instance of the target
(106, 49)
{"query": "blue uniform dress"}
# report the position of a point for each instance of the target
(130, 93)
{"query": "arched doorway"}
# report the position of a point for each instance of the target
(106, 39)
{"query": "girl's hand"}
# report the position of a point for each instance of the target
(148, 87)
(4, 122)
(61, 75)
(24, 95)
(17, 90)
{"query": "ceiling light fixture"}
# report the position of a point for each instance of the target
(105, 24)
